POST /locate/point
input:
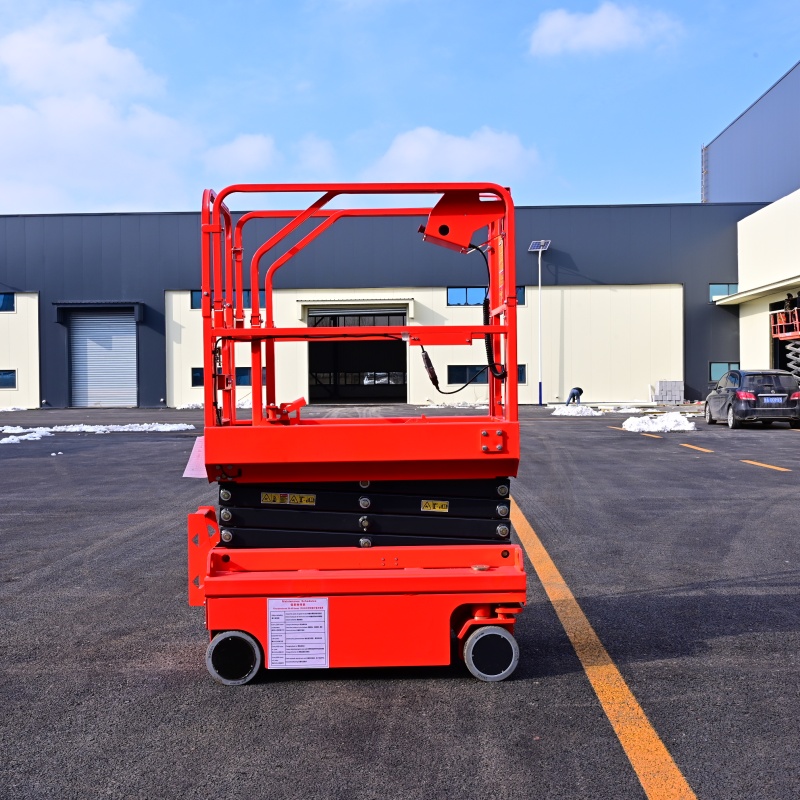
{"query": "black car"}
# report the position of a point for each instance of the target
(763, 395)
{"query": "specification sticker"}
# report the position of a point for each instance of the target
(298, 632)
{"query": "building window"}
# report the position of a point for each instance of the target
(197, 376)
(8, 379)
(474, 295)
(345, 320)
(461, 373)
(7, 301)
(716, 369)
(243, 376)
(717, 290)
(196, 298)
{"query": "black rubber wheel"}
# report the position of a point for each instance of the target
(233, 658)
(766, 422)
(732, 421)
(709, 419)
(491, 653)
(794, 423)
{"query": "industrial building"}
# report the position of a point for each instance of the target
(103, 309)
(758, 157)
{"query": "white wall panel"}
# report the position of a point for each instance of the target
(19, 351)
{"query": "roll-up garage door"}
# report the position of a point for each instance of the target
(103, 359)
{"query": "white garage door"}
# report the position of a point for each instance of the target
(103, 359)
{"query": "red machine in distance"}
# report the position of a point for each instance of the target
(355, 541)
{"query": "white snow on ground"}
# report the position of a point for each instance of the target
(575, 411)
(624, 410)
(673, 421)
(13, 408)
(190, 407)
(18, 434)
(429, 404)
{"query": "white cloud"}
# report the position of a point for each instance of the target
(74, 140)
(242, 158)
(609, 28)
(426, 154)
(68, 53)
(315, 157)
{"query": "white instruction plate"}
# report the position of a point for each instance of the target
(297, 633)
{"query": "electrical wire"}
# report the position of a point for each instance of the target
(429, 368)
(492, 365)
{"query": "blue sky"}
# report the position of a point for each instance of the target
(126, 106)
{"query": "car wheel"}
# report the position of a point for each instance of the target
(709, 419)
(794, 423)
(767, 422)
(732, 421)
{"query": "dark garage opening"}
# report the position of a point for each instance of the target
(357, 372)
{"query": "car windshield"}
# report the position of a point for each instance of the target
(768, 382)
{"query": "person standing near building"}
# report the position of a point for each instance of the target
(574, 394)
(788, 303)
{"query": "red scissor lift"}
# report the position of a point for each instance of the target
(355, 542)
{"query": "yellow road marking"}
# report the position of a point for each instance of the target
(694, 447)
(613, 428)
(652, 435)
(654, 766)
(767, 466)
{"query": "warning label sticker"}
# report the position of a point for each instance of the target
(297, 631)
(436, 505)
(288, 499)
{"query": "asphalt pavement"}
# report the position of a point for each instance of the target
(686, 563)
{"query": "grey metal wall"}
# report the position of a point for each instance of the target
(112, 258)
(757, 157)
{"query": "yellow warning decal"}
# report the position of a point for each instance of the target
(273, 498)
(436, 505)
(302, 499)
(288, 499)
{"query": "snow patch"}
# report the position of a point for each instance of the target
(673, 421)
(18, 434)
(190, 407)
(13, 408)
(455, 405)
(575, 411)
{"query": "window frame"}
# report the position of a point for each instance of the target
(731, 288)
(728, 367)
(15, 374)
(521, 296)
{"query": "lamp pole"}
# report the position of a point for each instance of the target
(540, 327)
(539, 246)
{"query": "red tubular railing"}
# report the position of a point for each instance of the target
(224, 312)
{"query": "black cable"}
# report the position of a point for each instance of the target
(492, 366)
(426, 360)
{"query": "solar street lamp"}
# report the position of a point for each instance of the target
(539, 246)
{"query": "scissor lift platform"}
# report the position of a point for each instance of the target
(354, 542)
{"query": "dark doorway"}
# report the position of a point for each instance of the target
(357, 372)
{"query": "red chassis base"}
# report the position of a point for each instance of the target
(354, 607)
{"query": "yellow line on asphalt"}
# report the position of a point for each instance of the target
(695, 447)
(613, 428)
(654, 766)
(767, 466)
(652, 435)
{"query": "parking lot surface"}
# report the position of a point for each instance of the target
(685, 562)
